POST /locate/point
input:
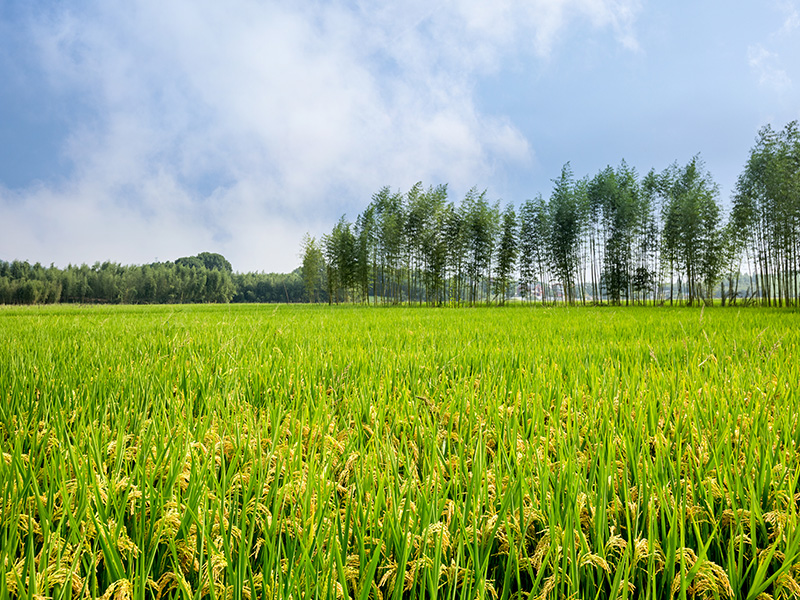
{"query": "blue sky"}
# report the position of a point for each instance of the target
(151, 130)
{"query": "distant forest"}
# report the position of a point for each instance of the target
(612, 238)
(207, 277)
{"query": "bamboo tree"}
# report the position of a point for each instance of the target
(651, 230)
(455, 236)
(434, 244)
(313, 263)
(390, 217)
(566, 229)
(615, 200)
(415, 223)
(692, 242)
(766, 212)
(480, 222)
(507, 248)
(526, 248)
(341, 256)
(365, 244)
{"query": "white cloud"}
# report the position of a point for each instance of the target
(235, 127)
(765, 65)
(765, 59)
(792, 17)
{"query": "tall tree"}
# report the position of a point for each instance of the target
(507, 248)
(480, 223)
(415, 221)
(341, 261)
(615, 201)
(455, 240)
(527, 272)
(649, 230)
(364, 234)
(434, 244)
(390, 216)
(566, 229)
(766, 213)
(692, 237)
(313, 263)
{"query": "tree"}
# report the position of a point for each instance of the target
(390, 216)
(534, 239)
(692, 238)
(415, 223)
(207, 260)
(219, 287)
(341, 260)
(766, 214)
(480, 226)
(434, 244)
(615, 203)
(526, 249)
(649, 231)
(566, 228)
(313, 263)
(506, 253)
(364, 245)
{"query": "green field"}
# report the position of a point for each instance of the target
(316, 452)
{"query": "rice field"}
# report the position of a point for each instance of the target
(315, 452)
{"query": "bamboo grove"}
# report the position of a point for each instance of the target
(614, 238)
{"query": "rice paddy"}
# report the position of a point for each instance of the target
(315, 452)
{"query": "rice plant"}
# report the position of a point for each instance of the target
(315, 452)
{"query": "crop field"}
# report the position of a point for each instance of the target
(316, 452)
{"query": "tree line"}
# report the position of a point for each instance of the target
(611, 238)
(206, 277)
(614, 238)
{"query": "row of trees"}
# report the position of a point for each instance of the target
(766, 215)
(613, 238)
(207, 277)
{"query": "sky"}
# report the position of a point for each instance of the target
(150, 130)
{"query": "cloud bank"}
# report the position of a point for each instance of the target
(235, 127)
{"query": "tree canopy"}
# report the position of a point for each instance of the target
(613, 237)
(204, 278)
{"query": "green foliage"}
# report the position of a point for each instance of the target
(766, 214)
(313, 267)
(269, 287)
(481, 223)
(312, 452)
(506, 253)
(615, 199)
(203, 278)
(533, 242)
(692, 237)
(567, 224)
(341, 254)
(206, 260)
(434, 244)
(596, 240)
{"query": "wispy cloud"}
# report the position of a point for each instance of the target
(766, 58)
(791, 19)
(236, 127)
(766, 66)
